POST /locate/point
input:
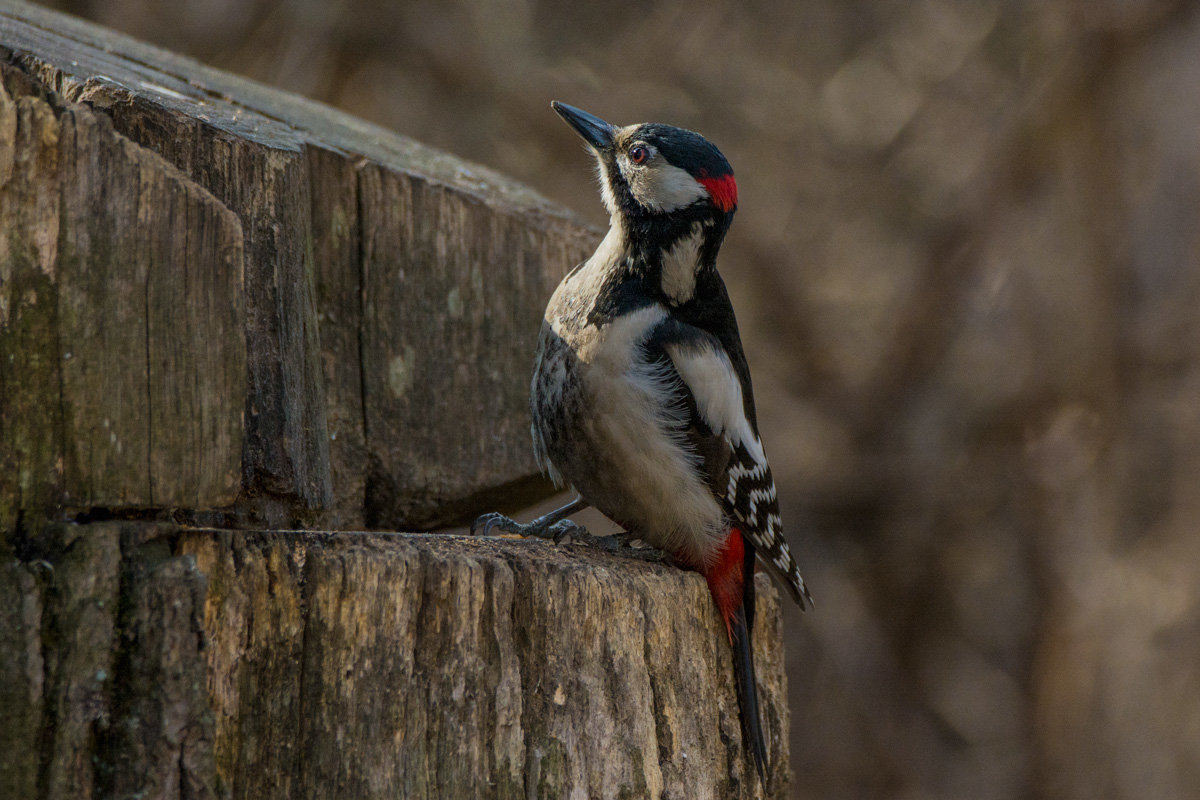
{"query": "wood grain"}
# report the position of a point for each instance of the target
(380, 298)
(230, 306)
(123, 351)
(203, 663)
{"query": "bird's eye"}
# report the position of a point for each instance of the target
(638, 154)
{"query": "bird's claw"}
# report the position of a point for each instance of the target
(483, 524)
(556, 532)
(566, 529)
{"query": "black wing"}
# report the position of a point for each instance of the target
(720, 426)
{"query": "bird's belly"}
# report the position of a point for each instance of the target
(604, 427)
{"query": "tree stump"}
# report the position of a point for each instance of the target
(144, 658)
(232, 321)
(224, 298)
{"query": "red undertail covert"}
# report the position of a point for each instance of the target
(725, 578)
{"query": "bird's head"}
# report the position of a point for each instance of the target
(669, 189)
(653, 168)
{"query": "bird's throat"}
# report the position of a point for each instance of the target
(669, 257)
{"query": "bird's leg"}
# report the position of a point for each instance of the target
(553, 526)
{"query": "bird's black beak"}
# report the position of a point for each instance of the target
(595, 131)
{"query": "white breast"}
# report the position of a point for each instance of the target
(643, 474)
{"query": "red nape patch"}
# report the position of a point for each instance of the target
(722, 190)
(725, 578)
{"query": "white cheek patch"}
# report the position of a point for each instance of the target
(659, 185)
(664, 187)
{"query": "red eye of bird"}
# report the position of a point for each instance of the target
(638, 154)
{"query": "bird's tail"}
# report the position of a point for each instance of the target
(731, 582)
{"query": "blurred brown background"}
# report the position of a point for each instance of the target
(966, 268)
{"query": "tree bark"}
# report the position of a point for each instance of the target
(226, 311)
(141, 659)
(225, 299)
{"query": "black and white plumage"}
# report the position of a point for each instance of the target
(641, 395)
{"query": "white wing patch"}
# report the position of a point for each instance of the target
(709, 376)
(750, 489)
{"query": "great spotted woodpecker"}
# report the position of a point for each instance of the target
(641, 394)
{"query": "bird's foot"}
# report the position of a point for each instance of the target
(542, 528)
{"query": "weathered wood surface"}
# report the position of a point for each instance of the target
(234, 307)
(145, 660)
(343, 318)
(114, 391)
